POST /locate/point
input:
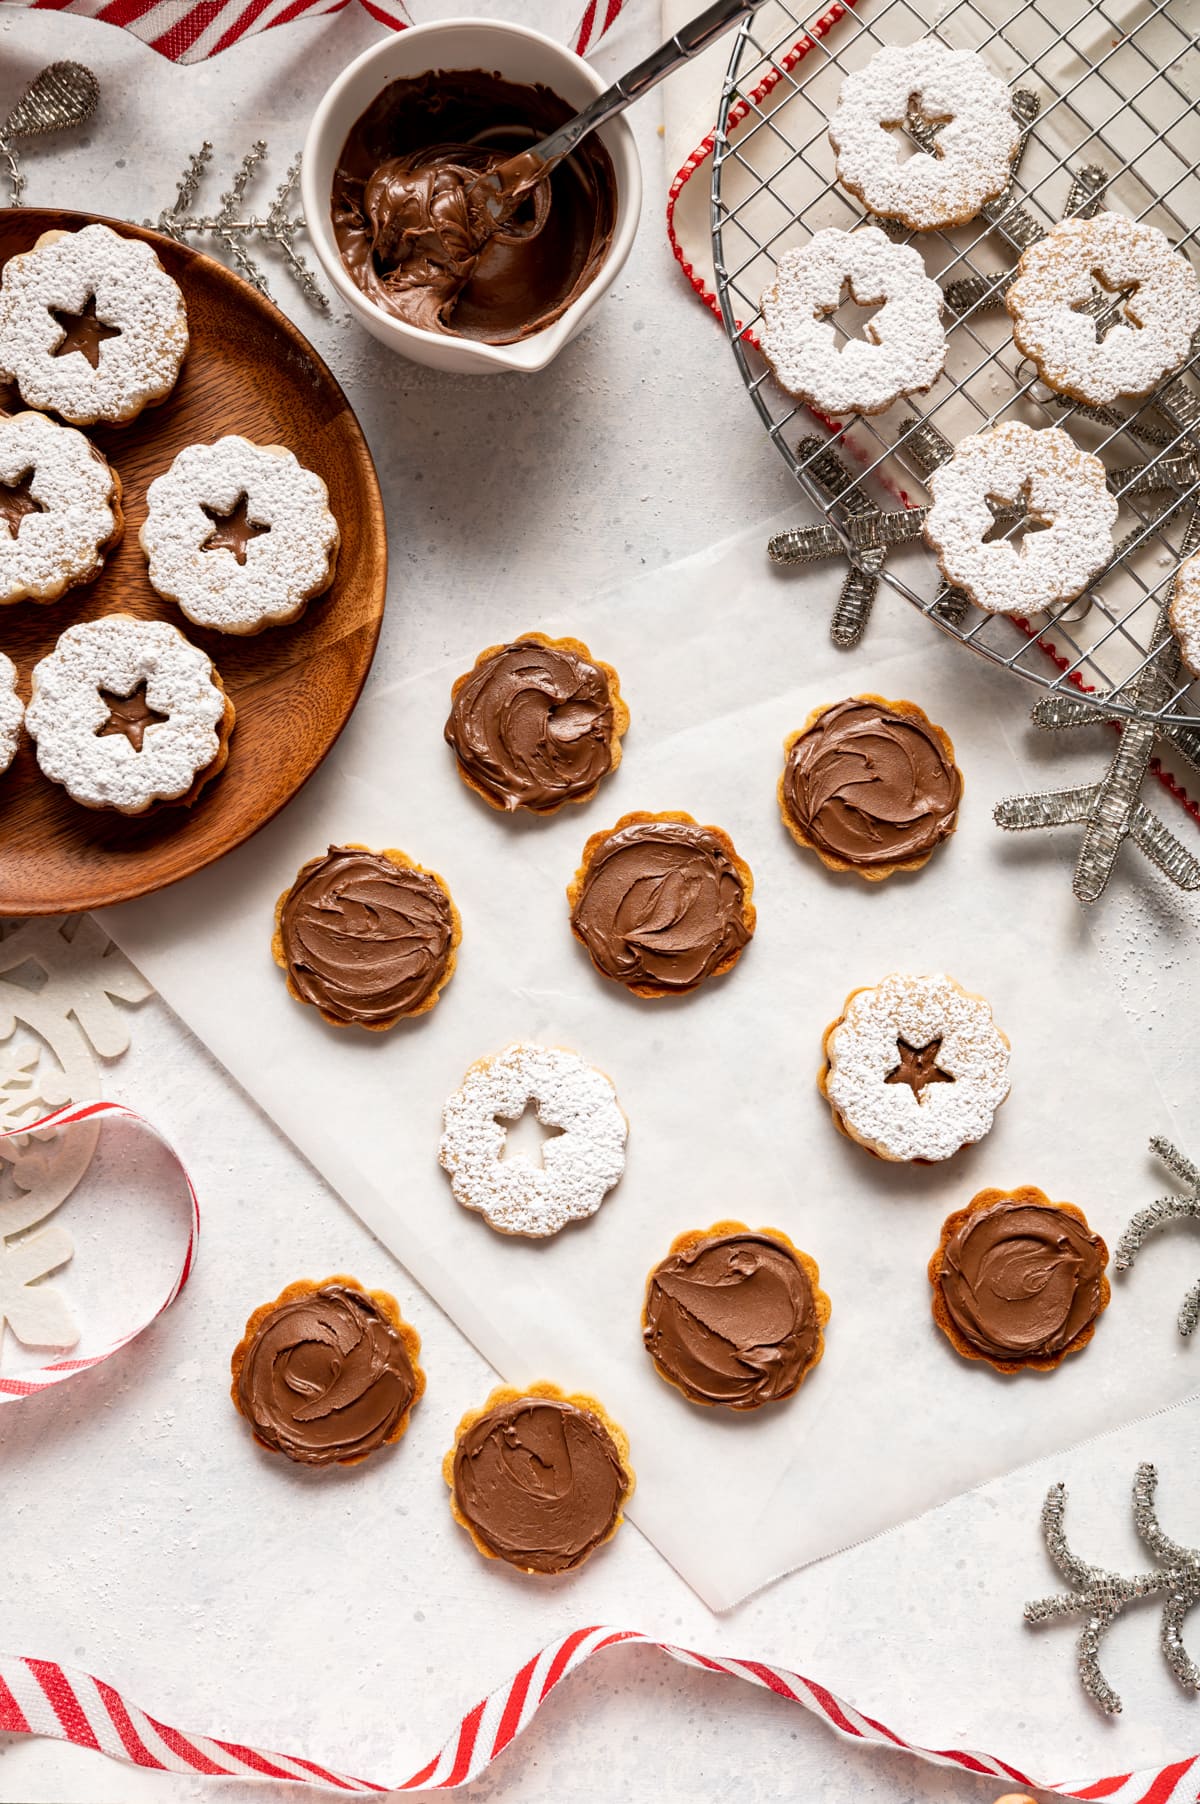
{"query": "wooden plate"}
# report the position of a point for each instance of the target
(250, 371)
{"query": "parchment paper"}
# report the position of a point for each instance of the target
(719, 660)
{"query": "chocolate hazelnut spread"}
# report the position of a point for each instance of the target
(84, 332)
(419, 243)
(532, 726)
(661, 904)
(326, 1377)
(17, 502)
(540, 1482)
(1022, 1280)
(732, 1320)
(364, 939)
(128, 714)
(871, 786)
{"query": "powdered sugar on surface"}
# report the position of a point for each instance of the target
(62, 544)
(975, 145)
(132, 291)
(284, 566)
(12, 712)
(1046, 473)
(863, 1049)
(579, 1165)
(1062, 269)
(66, 712)
(904, 346)
(1184, 615)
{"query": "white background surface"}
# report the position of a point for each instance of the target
(143, 1540)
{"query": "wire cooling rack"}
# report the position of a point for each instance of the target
(1106, 94)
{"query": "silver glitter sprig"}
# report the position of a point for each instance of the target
(232, 226)
(63, 95)
(1157, 1215)
(1099, 1596)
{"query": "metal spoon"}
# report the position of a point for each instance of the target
(63, 95)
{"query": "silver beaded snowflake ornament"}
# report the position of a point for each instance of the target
(1157, 1215)
(1099, 1596)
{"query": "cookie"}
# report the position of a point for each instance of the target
(1059, 487)
(870, 786)
(239, 535)
(1184, 612)
(127, 714)
(735, 1317)
(580, 1162)
(91, 326)
(12, 712)
(327, 1374)
(957, 96)
(539, 1478)
(662, 903)
(1018, 1281)
(915, 1068)
(903, 347)
(537, 723)
(60, 508)
(1053, 325)
(367, 938)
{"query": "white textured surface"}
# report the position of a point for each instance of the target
(975, 145)
(61, 543)
(1043, 471)
(1185, 611)
(283, 567)
(579, 1165)
(904, 346)
(12, 712)
(132, 292)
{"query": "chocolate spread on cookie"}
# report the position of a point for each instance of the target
(129, 714)
(661, 903)
(17, 502)
(364, 939)
(418, 242)
(871, 786)
(532, 726)
(540, 1482)
(1021, 1280)
(326, 1377)
(732, 1320)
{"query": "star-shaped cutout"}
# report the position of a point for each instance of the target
(17, 501)
(918, 1067)
(921, 130)
(1107, 306)
(234, 531)
(863, 319)
(1012, 522)
(526, 1134)
(128, 714)
(84, 332)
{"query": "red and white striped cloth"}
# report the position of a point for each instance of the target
(39, 1697)
(187, 31)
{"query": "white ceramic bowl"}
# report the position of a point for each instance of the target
(521, 55)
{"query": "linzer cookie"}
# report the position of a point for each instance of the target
(91, 326)
(903, 346)
(662, 903)
(581, 1160)
(537, 723)
(328, 1372)
(12, 712)
(952, 93)
(1184, 614)
(127, 714)
(870, 786)
(1053, 297)
(239, 535)
(1041, 475)
(539, 1478)
(915, 1068)
(1018, 1281)
(60, 508)
(735, 1317)
(367, 938)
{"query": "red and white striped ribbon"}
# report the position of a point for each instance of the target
(39, 1697)
(33, 1383)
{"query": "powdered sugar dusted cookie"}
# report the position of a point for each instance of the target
(1184, 616)
(1043, 473)
(955, 94)
(580, 1163)
(12, 712)
(60, 508)
(915, 1067)
(126, 713)
(91, 326)
(903, 347)
(1057, 278)
(240, 535)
